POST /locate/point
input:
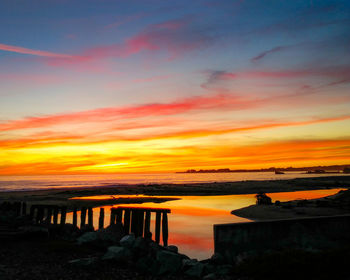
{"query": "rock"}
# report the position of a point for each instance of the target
(34, 231)
(83, 261)
(195, 270)
(113, 233)
(147, 265)
(224, 269)
(169, 262)
(127, 241)
(117, 253)
(217, 258)
(187, 263)
(211, 276)
(140, 243)
(172, 248)
(87, 237)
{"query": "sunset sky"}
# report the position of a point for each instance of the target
(162, 86)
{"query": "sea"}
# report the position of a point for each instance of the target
(24, 183)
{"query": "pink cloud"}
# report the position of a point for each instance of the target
(173, 37)
(16, 49)
(213, 102)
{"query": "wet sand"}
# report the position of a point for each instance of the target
(62, 196)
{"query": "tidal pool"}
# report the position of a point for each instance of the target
(192, 217)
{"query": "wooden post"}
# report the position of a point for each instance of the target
(158, 216)
(63, 215)
(49, 215)
(119, 215)
(147, 230)
(55, 215)
(75, 218)
(101, 220)
(165, 228)
(31, 212)
(90, 217)
(141, 217)
(134, 221)
(127, 221)
(112, 222)
(82, 217)
(24, 208)
(40, 214)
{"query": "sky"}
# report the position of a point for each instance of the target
(90, 86)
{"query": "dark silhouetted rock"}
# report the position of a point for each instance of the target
(169, 262)
(172, 248)
(127, 241)
(88, 237)
(195, 270)
(217, 258)
(83, 261)
(117, 253)
(34, 231)
(113, 233)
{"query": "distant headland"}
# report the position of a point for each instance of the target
(345, 168)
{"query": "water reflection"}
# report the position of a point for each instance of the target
(192, 217)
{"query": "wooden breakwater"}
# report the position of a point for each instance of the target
(135, 220)
(316, 233)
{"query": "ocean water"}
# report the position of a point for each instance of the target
(21, 183)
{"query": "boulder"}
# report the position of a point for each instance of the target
(83, 261)
(172, 248)
(88, 237)
(34, 231)
(147, 265)
(118, 253)
(211, 276)
(113, 233)
(169, 262)
(224, 269)
(217, 258)
(187, 263)
(195, 270)
(127, 241)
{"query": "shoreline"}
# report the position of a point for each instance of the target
(62, 196)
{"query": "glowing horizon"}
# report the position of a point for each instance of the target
(137, 88)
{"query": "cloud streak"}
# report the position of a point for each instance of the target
(17, 49)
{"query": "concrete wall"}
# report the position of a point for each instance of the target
(318, 233)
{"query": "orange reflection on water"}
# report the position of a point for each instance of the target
(192, 217)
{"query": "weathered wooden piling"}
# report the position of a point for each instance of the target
(75, 217)
(127, 221)
(63, 215)
(112, 217)
(90, 217)
(24, 208)
(119, 215)
(165, 228)
(48, 215)
(40, 214)
(31, 212)
(55, 215)
(147, 229)
(82, 217)
(157, 235)
(101, 219)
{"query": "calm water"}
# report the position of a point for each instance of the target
(192, 217)
(19, 183)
